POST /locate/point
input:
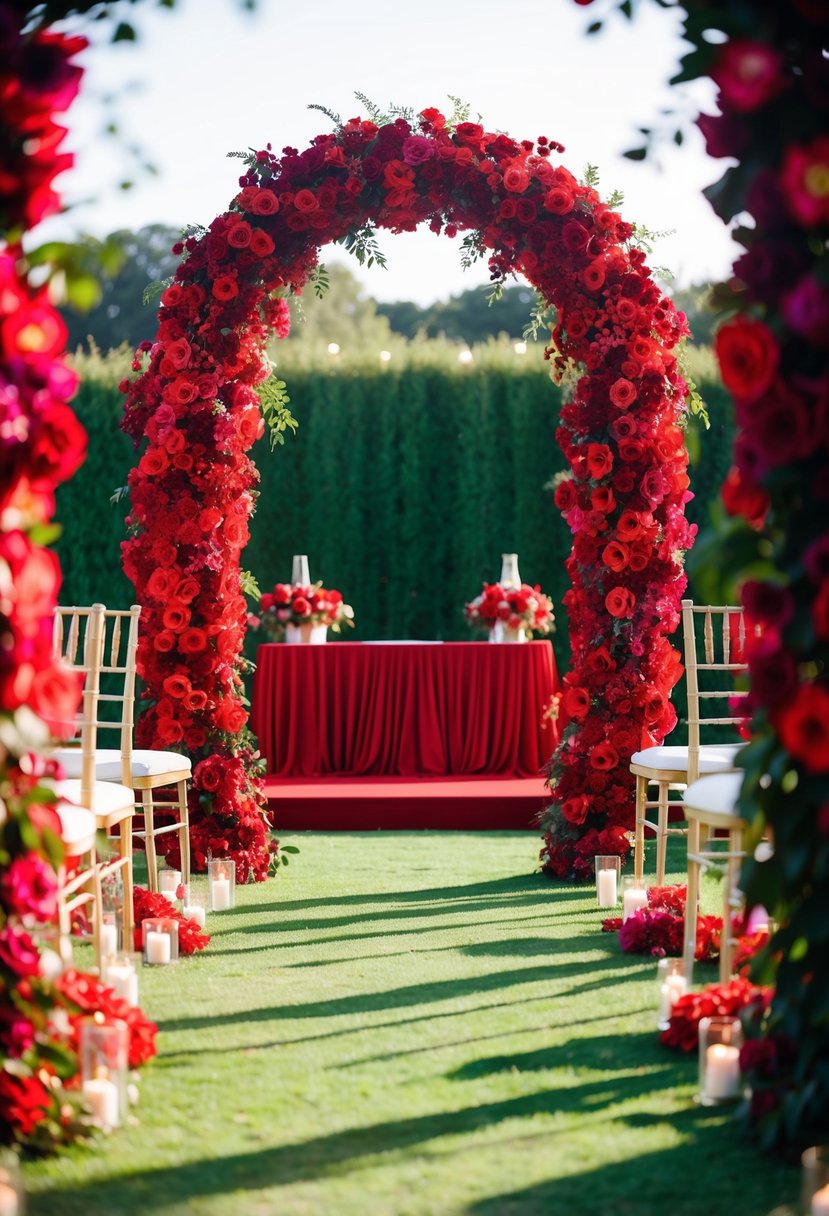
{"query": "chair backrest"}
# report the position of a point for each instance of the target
(106, 641)
(715, 641)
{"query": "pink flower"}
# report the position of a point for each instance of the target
(805, 181)
(749, 75)
(18, 952)
(29, 888)
(417, 149)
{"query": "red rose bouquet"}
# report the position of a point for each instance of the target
(526, 609)
(300, 604)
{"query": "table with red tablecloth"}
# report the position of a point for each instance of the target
(403, 709)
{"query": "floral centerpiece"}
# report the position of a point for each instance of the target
(523, 610)
(301, 604)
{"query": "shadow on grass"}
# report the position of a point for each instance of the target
(454, 893)
(337, 1154)
(711, 1170)
(406, 996)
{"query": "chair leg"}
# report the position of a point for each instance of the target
(125, 851)
(639, 824)
(98, 916)
(730, 885)
(691, 899)
(661, 833)
(149, 839)
(184, 831)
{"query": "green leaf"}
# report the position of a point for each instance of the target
(636, 153)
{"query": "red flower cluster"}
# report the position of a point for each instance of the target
(624, 503)
(296, 604)
(195, 404)
(151, 903)
(37, 81)
(86, 994)
(658, 928)
(719, 1000)
(525, 607)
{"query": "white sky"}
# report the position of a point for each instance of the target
(207, 79)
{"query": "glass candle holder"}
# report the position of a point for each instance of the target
(608, 875)
(12, 1196)
(119, 974)
(169, 882)
(221, 884)
(160, 941)
(634, 896)
(194, 905)
(104, 1050)
(815, 1184)
(720, 1040)
(109, 934)
(671, 985)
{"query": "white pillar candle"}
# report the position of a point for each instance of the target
(722, 1071)
(820, 1202)
(633, 898)
(9, 1203)
(157, 947)
(195, 912)
(219, 894)
(674, 987)
(123, 980)
(606, 888)
(109, 938)
(101, 1097)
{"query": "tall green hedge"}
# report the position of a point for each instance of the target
(403, 487)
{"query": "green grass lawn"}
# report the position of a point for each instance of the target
(413, 1024)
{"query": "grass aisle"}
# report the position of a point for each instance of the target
(412, 1024)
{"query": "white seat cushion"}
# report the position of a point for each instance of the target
(713, 757)
(715, 795)
(77, 828)
(107, 797)
(108, 763)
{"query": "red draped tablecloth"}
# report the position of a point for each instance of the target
(403, 709)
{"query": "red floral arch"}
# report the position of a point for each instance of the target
(195, 401)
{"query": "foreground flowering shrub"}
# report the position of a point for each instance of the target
(769, 64)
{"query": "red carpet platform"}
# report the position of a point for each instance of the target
(397, 803)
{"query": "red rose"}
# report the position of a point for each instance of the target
(620, 602)
(54, 695)
(516, 177)
(239, 234)
(741, 496)
(748, 355)
(615, 556)
(599, 460)
(305, 201)
(264, 202)
(25, 1101)
(604, 757)
(622, 394)
(576, 703)
(225, 287)
(804, 727)
(575, 810)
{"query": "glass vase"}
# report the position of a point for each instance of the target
(509, 570)
(720, 1040)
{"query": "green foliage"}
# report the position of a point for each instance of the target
(129, 270)
(362, 243)
(278, 418)
(406, 483)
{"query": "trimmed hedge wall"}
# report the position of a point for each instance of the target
(403, 487)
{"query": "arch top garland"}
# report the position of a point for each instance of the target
(195, 401)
